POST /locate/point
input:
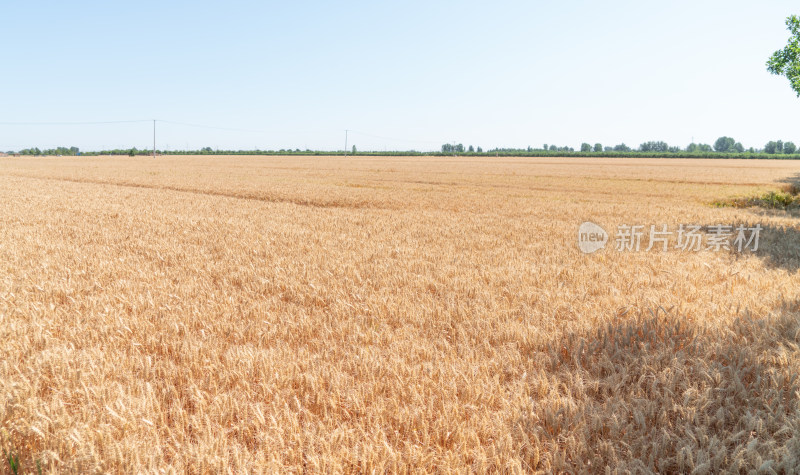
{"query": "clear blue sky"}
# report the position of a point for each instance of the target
(416, 73)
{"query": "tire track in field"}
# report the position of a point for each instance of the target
(253, 196)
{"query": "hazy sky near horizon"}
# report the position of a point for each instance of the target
(401, 74)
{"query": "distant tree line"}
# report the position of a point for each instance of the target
(451, 148)
(724, 147)
(50, 151)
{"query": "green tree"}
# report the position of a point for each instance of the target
(585, 147)
(470, 149)
(786, 62)
(789, 148)
(654, 147)
(738, 147)
(622, 148)
(354, 150)
(724, 144)
(480, 150)
(771, 147)
(598, 147)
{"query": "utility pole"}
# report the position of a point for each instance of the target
(154, 138)
(345, 142)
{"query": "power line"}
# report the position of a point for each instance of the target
(212, 127)
(391, 138)
(76, 123)
(201, 126)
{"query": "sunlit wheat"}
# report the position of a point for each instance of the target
(261, 314)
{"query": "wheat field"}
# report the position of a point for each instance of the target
(371, 314)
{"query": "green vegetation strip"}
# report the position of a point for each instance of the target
(785, 198)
